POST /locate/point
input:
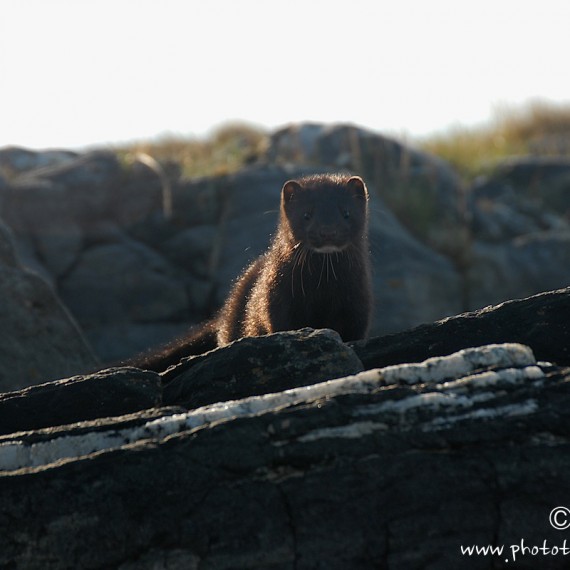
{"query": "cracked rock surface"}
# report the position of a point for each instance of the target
(396, 466)
(368, 471)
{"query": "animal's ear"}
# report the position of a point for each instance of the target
(289, 189)
(357, 187)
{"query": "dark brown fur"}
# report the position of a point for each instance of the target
(316, 272)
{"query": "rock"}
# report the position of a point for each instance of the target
(519, 268)
(107, 393)
(90, 184)
(238, 248)
(422, 191)
(15, 160)
(39, 340)
(412, 283)
(117, 342)
(254, 366)
(240, 212)
(102, 232)
(541, 322)
(199, 201)
(122, 282)
(39, 213)
(193, 248)
(91, 215)
(7, 251)
(521, 231)
(501, 211)
(139, 196)
(369, 471)
(55, 208)
(95, 230)
(544, 181)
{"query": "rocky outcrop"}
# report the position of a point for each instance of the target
(39, 339)
(507, 234)
(278, 362)
(134, 278)
(541, 322)
(292, 450)
(80, 398)
(14, 160)
(422, 191)
(346, 472)
(519, 268)
(520, 223)
(139, 255)
(539, 184)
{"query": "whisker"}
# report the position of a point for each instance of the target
(332, 267)
(321, 275)
(296, 257)
(303, 260)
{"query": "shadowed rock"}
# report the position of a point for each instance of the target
(108, 393)
(542, 322)
(347, 474)
(39, 341)
(253, 366)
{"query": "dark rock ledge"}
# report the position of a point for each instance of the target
(541, 321)
(396, 467)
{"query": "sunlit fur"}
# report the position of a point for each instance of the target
(316, 272)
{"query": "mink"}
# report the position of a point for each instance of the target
(316, 273)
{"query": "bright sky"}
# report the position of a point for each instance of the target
(76, 73)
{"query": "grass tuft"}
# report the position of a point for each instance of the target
(535, 129)
(226, 150)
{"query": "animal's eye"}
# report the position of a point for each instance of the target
(346, 214)
(307, 215)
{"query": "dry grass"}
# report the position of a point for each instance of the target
(226, 150)
(538, 129)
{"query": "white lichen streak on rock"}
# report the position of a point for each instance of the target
(351, 431)
(459, 364)
(520, 409)
(462, 394)
(439, 371)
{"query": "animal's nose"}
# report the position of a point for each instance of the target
(327, 233)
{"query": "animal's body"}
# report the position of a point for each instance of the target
(316, 272)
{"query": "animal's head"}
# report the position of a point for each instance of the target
(325, 213)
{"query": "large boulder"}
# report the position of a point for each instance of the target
(89, 182)
(54, 209)
(520, 224)
(47, 232)
(543, 181)
(96, 229)
(313, 464)
(541, 322)
(520, 197)
(258, 366)
(347, 473)
(99, 395)
(422, 191)
(40, 340)
(16, 160)
(123, 283)
(134, 274)
(518, 268)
